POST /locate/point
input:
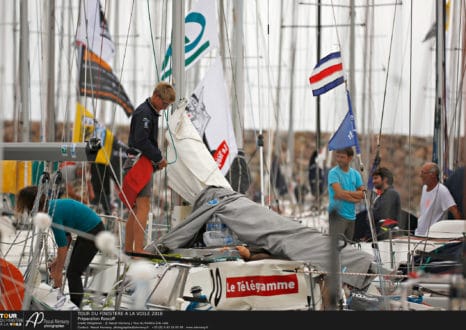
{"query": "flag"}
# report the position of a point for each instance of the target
(346, 135)
(375, 165)
(93, 30)
(200, 36)
(208, 110)
(86, 127)
(97, 80)
(327, 74)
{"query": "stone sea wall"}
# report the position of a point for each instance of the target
(402, 154)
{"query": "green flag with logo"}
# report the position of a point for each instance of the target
(200, 36)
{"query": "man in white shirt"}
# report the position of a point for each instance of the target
(436, 200)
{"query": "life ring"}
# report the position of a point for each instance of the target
(11, 287)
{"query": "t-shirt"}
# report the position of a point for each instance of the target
(72, 214)
(350, 181)
(433, 207)
(387, 205)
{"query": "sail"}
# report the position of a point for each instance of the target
(193, 160)
(208, 109)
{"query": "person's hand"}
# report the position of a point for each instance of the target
(243, 252)
(162, 164)
(52, 264)
(57, 278)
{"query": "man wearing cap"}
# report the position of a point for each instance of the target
(199, 301)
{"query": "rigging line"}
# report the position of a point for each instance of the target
(104, 15)
(336, 27)
(171, 139)
(386, 77)
(124, 52)
(82, 48)
(39, 67)
(272, 184)
(409, 266)
(458, 103)
(459, 96)
(163, 30)
(233, 73)
(259, 96)
(152, 42)
(266, 43)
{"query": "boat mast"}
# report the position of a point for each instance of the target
(49, 62)
(238, 67)
(16, 91)
(24, 73)
(178, 48)
(352, 83)
(291, 140)
(178, 35)
(318, 37)
(439, 118)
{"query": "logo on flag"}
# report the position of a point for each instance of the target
(201, 36)
(86, 127)
(209, 112)
(346, 135)
(327, 74)
(221, 154)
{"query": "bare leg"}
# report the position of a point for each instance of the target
(129, 233)
(139, 227)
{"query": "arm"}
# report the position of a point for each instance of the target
(56, 267)
(350, 196)
(246, 254)
(455, 211)
(90, 191)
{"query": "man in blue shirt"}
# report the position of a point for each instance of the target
(68, 215)
(345, 189)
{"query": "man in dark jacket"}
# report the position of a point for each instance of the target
(387, 203)
(143, 140)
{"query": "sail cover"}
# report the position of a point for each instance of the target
(191, 166)
(261, 227)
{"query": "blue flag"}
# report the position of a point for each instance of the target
(375, 165)
(346, 135)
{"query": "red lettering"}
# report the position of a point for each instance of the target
(221, 154)
(273, 285)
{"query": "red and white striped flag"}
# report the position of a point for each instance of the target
(327, 74)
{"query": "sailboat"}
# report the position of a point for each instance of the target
(437, 271)
(187, 267)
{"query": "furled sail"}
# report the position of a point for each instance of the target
(191, 166)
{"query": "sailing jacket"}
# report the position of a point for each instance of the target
(143, 131)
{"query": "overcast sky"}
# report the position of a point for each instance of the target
(406, 100)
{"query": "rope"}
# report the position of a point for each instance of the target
(152, 41)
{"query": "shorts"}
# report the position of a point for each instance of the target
(147, 191)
